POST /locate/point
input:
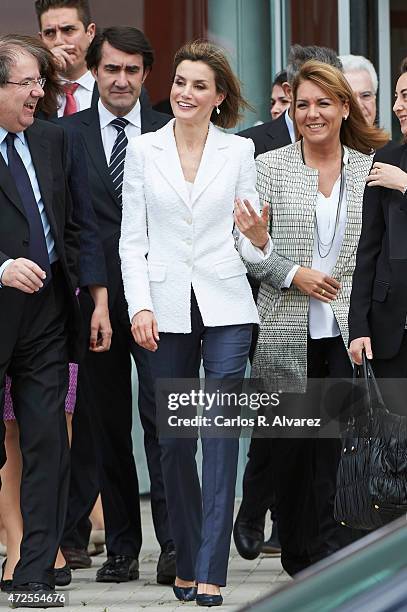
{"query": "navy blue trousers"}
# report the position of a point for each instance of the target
(201, 521)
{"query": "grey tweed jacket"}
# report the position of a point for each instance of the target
(291, 189)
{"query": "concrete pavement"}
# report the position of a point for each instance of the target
(247, 580)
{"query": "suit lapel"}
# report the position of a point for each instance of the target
(278, 134)
(148, 123)
(95, 96)
(8, 187)
(212, 162)
(94, 145)
(353, 221)
(167, 161)
(40, 150)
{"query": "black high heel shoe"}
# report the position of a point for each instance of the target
(5, 585)
(185, 593)
(205, 599)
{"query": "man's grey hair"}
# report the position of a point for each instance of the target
(11, 47)
(299, 55)
(353, 63)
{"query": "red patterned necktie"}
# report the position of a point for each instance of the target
(70, 104)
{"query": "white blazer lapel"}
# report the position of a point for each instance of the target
(167, 161)
(212, 161)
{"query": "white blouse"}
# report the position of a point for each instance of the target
(321, 319)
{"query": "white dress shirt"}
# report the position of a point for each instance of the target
(321, 319)
(290, 125)
(109, 133)
(83, 95)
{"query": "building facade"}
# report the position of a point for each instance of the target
(256, 33)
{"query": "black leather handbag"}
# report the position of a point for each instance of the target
(372, 473)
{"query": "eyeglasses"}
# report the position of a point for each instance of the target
(30, 83)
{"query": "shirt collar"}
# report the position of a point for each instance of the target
(290, 126)
(86, 81)
(106, 117)
(3, 134)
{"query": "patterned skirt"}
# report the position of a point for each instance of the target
(70, 401)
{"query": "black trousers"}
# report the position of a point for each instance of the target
(258, 494)
(105, 386)
(84, 481)
(304, 476)
(38, 366)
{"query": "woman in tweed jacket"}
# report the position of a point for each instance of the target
(315, 189)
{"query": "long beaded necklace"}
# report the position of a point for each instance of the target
(328, 245)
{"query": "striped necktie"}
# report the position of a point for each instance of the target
(116, 164)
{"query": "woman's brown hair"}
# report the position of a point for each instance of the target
(355, 132)
(226, 81)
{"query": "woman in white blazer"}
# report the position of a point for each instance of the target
(187, 290)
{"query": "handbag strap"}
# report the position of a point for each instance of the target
(372, 389)
(373, 380)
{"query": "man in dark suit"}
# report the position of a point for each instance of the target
(40, 323)
(258, 494)
(120, 59)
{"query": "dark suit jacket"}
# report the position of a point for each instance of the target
(48, 148)
(92, 267)
(105, 203)
(268, 136)
(378, 304)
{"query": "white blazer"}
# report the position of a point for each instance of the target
(171, 240)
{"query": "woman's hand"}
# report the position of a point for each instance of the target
(145, 330)
(356, 347)
(316, 284)
(386, 175)
(253, 226)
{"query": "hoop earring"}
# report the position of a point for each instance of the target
(217, 110)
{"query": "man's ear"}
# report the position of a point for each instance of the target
(146, 73)
(288, 92)
(91, 31)
(94, 72)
